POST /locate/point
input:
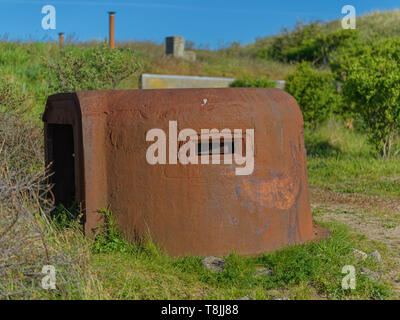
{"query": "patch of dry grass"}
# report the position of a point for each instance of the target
(28, 240)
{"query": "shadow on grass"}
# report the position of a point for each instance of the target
(321, 148)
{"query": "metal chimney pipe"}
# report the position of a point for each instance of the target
(61, 39)
(111, 40)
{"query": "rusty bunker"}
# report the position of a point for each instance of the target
(96, 144)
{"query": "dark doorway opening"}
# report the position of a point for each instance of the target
(61, 155)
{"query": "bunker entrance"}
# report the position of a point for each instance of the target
(61, 155)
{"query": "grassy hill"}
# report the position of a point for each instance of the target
(378, 23)
(26, 64)
(383, 24)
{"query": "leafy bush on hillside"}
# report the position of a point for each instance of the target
(94, 68)
(348, 54)
(318, 50)
(340, 63)
(278, 46)
(382, 24)
(315, 92)
(307, 43)
(253, 83)
(373, 84)
(12, 96)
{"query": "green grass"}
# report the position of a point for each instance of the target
(299, 272)
(23, 63)
(377, 23)
(117, 269)
(341, 160)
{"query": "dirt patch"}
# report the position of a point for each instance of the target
(355, 199)
(359, 212)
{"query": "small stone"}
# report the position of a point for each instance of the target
(360, 255)
(376, 256)
(370, 274)
(261, 271)
(213, 264)
(277, 295)
(244, 298)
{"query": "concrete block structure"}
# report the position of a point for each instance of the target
(161, 81)
(189, 56)
(175, 46)
(167, 81)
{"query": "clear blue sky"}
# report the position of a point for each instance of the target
(212, 22)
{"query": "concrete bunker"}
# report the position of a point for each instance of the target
(97, 143)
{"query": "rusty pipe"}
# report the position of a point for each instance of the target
(61, 39)
(111, 22)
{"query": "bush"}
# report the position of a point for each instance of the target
(318, 50)
(373, 84)
(307, 43)
(341, 61)
(276, 49)
(109, 237)
(95, 68)
(253, 83)
(13, 97)
(28, 240)
(315, 92)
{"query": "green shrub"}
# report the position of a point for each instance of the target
(277, 47)
(13, 97)
(309, 42)
(373, 84)
(253, 83)
(318, 50)
(95, 68)
(110, 238)
(315, 92)
(341, 61)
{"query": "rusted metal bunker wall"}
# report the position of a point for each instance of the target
(187, 209)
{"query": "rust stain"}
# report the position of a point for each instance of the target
(280, 191)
